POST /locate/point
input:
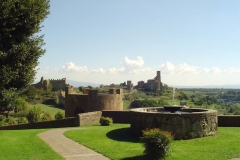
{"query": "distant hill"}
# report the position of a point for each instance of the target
(84, 84)
(233, 86)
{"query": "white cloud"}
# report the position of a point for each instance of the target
(232, 70)
(141, 71)
(167, 67)
(100, 70)
(184, 68)
(133, 63)
(56, 69)
(70, 67)
(44, 72)
(115, 70)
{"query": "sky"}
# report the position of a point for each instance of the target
(192, 42)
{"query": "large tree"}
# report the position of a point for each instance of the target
(20, 45)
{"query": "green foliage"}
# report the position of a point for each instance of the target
(59, 115)
(2, 118)
(22, 120)
(20, 46)
(10, 121)
(46, 116)
(106, 121)
(34, 115)
(147, 103)
(156, 143)
(31, 92)
(20, 105)
(49, 87)
(56, 99)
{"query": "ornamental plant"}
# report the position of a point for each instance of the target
(156, 143)
(106, 121)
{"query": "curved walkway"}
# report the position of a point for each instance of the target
(67, 148)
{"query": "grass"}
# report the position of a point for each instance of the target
(46, 108)
(116, 143)
(25, 144)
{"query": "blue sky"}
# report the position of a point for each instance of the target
(192, 42)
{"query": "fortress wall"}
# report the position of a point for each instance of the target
(58, 84)
(92, 101)
(110, 102)
(74, 101)
(140, 84)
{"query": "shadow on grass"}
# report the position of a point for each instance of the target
(122, 134)
(142, 157)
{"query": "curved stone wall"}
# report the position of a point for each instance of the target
(194, 123)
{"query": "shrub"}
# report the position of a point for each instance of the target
(156, 143)
(46, 117)
(34, 115)
(2, 118)
(106, 121)
(10, 121)
(22, 120)
(59, 115)
(20, 105)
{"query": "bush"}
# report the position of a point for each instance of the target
(59, 115)
(20, 105)
(46, 117)
(34, 115)
(2, 118)
(106, 121)
(22, 120)
(10, 121)
(156, 143)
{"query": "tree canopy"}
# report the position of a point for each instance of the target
(20, 45)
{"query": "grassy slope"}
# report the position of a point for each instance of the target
(115, 142)
(47, 108)
(25, 144)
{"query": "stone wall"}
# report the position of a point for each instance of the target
(79, 120)
(89, 118)
(57, 84)
(118, 116)
(82, 103)
(67, 122)
(229, 120)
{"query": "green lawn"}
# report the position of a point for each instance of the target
(115, 142)
(26, 145)
(47, 108)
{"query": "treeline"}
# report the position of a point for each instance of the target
(147, 103)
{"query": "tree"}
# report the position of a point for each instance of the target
(20, 46)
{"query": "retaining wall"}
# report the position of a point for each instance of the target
(125, 117)
(79, 120)
(229, 120)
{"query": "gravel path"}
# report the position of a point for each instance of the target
(68, 148)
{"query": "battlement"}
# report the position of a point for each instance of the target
(91, 100)
(57, 84)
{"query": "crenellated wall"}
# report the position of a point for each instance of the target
(58, 84)
(92, 101)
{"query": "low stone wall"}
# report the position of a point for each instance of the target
(118, 116)
(229, 120)
(79, 120)
(67, 122)
(88, 118)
